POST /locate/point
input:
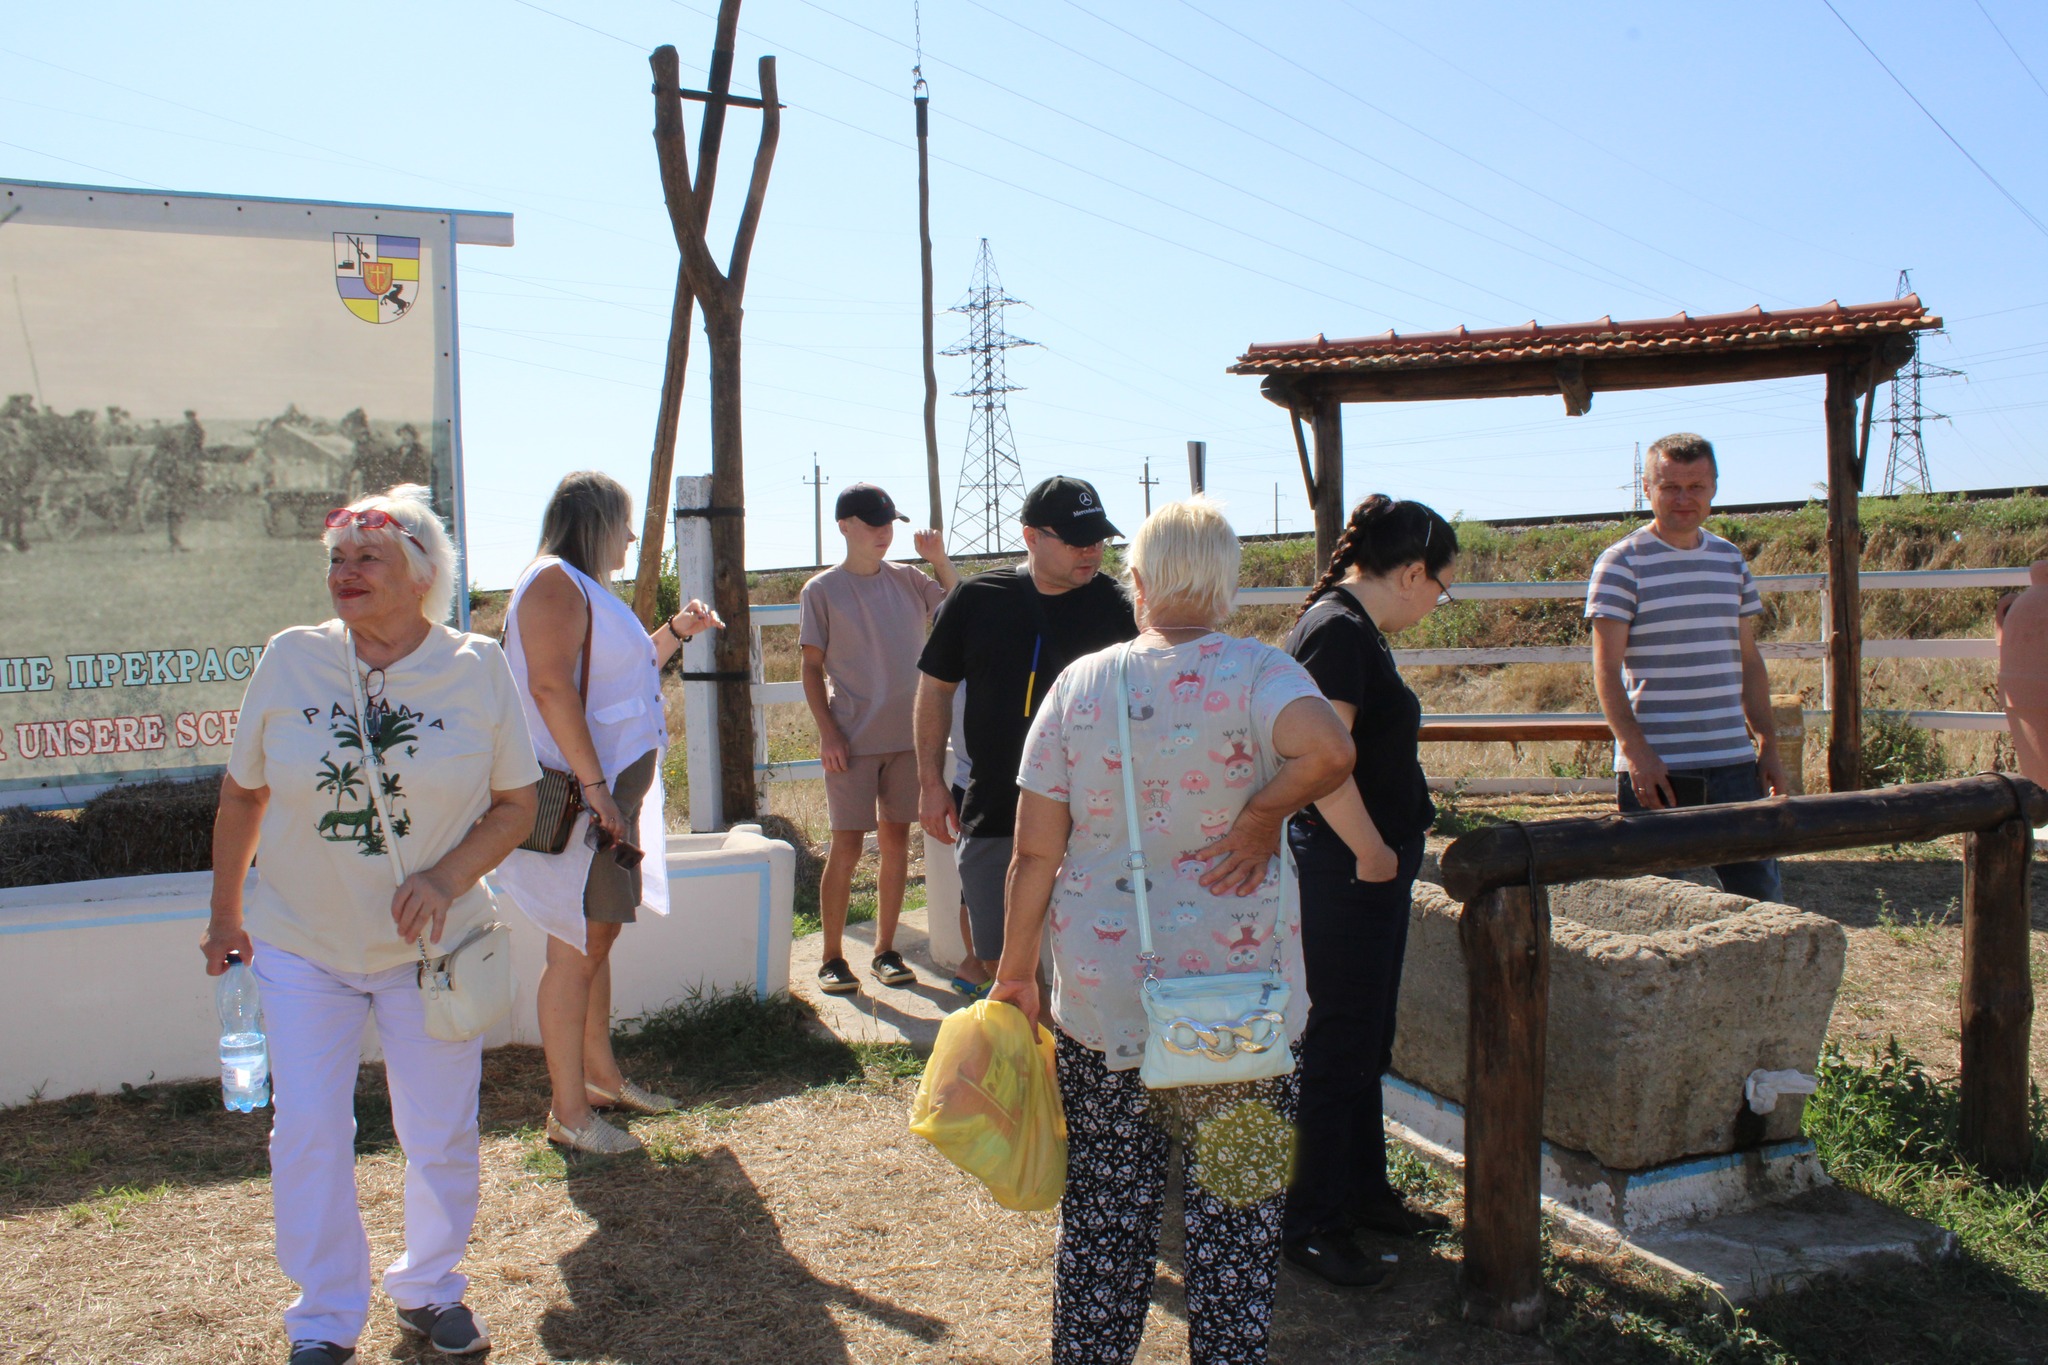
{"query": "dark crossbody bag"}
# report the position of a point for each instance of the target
(561, 795)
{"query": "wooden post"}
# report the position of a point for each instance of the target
(1845, 564)
(647, 577)
(1327, 415)
(721, 293)
(924, 261)
(1506, 935)
(1998, 999)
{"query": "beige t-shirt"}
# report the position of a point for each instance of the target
(449, 730)
(871, 628)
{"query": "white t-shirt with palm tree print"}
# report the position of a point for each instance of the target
(448, 728)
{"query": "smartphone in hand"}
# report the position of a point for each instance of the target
(1689, 788)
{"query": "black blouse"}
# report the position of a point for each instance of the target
(1351, 661)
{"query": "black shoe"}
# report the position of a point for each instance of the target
(1396, 1218)
(1335, 1257)
(891, 970)
(836, 978)
(321, 1353)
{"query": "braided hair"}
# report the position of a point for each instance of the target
(1384, 533)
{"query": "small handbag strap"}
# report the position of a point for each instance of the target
(1136, 861)
(374, 762)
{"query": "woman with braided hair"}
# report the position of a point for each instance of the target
(1358, 850)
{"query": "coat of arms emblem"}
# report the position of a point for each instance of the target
(377, 277)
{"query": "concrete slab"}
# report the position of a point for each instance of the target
(1752, 1253)
(879, 1014)
(1785, 1247)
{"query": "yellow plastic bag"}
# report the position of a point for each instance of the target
(990, 1103)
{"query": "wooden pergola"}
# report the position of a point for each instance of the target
(1857, 348)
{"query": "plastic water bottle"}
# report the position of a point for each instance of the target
(244, 1051)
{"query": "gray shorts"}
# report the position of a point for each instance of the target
(611, 894)
(984, 867)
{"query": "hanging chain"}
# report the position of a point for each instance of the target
(917, 84)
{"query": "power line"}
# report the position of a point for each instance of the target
(1174, 161)
(1357, 151)
(2026, 212)
(2010, 48)
(1392, 117)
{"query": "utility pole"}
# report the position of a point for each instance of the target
(1276, 509)
(817, 483)
(1148, 483)
(1198, 465)
(1636, 483)
(921, 98)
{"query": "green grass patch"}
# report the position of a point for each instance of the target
(721, 1041)
(109, 1206)
(862, 906)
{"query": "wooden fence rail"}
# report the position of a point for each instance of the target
(1500, 874)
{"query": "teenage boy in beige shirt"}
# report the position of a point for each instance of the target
(863, 624)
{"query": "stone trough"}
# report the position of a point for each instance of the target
(1664, 997)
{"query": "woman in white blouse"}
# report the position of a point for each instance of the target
(328, 939)
(609, 734)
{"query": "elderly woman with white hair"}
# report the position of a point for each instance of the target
(332, 943)
(1227, 738)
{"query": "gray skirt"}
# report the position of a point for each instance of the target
(611, 894)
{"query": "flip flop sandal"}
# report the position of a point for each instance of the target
(973, 990)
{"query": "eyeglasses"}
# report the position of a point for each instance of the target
(372, 519)
(624, 854)
(1443, 594)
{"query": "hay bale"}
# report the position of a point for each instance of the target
(38, 848)
(146, 828)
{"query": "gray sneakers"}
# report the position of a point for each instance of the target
(449, 1328)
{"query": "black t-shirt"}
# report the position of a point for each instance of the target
(1351, 661)
(1007, 641)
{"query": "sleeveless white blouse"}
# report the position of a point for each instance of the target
(624, 713)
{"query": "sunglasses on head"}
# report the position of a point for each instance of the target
(372, 519)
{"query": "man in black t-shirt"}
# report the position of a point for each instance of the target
(1007, 633)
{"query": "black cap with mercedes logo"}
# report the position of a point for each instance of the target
(1070, 509)
(868, 502)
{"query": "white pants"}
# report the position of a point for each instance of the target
(314, 1017)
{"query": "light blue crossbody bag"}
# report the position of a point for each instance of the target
(1204, 1030)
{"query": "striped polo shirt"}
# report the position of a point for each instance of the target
(1683, 669)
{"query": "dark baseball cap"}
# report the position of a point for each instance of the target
(1069, 508)
(868, 502)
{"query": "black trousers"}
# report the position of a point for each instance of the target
(1354, 936)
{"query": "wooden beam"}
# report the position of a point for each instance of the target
(1614, 374)
(1660, 841)
(1327, 414)
(1506, 937)
(1571, 382)
(1845, 602)
(1997, 999)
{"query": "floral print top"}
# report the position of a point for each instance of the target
(1202, 718)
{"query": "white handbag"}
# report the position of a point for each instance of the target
(468, 988)
(1204, 1030)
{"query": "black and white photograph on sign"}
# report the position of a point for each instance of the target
(178, 412)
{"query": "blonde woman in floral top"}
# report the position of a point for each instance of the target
(1228, 738)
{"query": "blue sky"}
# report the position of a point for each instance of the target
(1163, 181)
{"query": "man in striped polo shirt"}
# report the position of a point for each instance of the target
(1675, 661)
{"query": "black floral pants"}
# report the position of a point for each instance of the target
(1114, 1201)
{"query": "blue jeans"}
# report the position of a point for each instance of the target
(1354, 937)
(1729, 782)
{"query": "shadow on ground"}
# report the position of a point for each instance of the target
(686, 1264)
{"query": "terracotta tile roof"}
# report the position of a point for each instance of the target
(1755, 329)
